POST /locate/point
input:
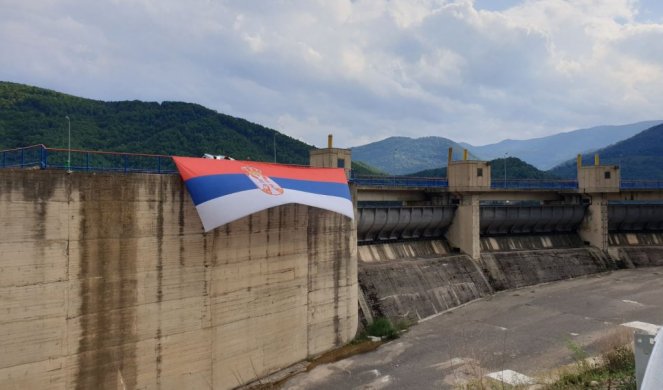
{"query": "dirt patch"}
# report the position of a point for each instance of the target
(276, 381)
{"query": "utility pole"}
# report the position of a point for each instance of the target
(68, 144)
(505, 156)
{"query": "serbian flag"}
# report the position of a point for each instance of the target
(226, 190)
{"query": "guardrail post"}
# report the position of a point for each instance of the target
(158, 164)
(87, 161)
(4, 159)
(126, 162)
(42, 157)
(22, 157)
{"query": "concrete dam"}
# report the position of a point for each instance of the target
(108, 280)
(426, 246)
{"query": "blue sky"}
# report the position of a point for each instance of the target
(474, 71)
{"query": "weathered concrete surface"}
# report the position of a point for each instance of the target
(641, 256)
(530, 242)
(526, 330)
(107, 281)
(594, 227)
(464, 230)
(402, 250)
(507, 270)
(636, 238)
(637, 249)
(414, 289)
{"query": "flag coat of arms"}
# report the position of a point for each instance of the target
(227, 190)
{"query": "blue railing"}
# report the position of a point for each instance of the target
(398, 181)
(641, 184)
(85, 160)
(533, 184)
(31, 156)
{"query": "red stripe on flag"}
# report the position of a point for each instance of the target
(191, 167)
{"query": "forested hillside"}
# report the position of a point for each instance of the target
(547, 152)
(514, 169)
(31, 115)
(401, 155)
(640, 157)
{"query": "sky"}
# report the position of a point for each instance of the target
(473, 71)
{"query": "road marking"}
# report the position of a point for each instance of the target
(511, 377)
(651, 329)
(633, 302)
(454, 362)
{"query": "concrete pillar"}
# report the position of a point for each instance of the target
(331, 157)
(594, 227)
(464, 230)
(468, 176)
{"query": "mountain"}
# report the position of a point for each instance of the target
(514, 169)
(360, 168)
(640, 157)
(547, 152)
(401, 155)
(31, 115)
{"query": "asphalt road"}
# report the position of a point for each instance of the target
(531, 331)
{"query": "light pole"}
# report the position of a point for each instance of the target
(505, 156)
(68, 143)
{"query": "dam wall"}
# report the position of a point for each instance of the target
(530, 242)
(107, 281)
(413, 289)
(637, 249)
(424, 282)
(509, 270)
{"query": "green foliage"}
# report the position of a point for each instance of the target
(435, 172)
(361, 168)
(31, 115)
(640, 157)
(382, 327)
(400, 155)
(515, 169)
(616, 370)
(577, 353)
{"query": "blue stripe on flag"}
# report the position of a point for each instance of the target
(205, 188)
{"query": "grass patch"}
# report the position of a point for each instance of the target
(613, 369)
(382, 327)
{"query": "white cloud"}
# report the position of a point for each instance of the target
(362, 69)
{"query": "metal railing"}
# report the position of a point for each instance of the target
(398, 181)
(85, 160)
(641, 184)
(534, 184)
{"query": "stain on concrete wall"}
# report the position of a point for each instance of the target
(107, 281)
(641, 256)
(530, 242)
(507, 270)
(413, 289)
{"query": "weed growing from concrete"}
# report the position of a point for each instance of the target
(613, 369)
(382, 328)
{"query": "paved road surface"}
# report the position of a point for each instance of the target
(527, 331)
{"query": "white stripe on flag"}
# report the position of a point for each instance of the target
(225, 209)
